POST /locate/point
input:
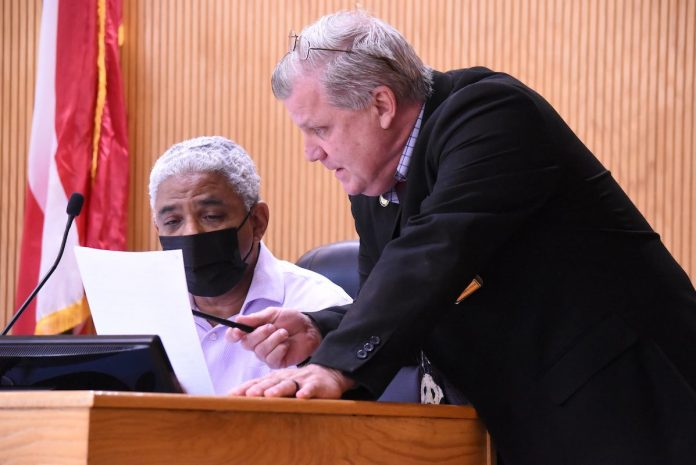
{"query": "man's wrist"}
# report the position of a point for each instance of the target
(344, 381)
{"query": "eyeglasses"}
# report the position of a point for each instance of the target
(303, 47)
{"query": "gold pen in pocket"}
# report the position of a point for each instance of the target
(474, 285)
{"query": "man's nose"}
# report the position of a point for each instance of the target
(314, 152)
(190, 227)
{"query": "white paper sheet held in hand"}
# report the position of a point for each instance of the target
(145, 293)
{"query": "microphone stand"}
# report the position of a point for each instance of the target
(74, 207)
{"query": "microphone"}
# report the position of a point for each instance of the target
(73, 209)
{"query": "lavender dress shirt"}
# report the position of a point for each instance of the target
(276, 283)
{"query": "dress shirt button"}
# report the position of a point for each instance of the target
(213, 337)
(361, 354)
(369, 347)
(375, 340)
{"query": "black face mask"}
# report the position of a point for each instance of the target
(211, 260)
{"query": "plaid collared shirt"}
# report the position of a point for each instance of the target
(404, 161)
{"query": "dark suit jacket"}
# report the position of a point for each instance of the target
(580, 346)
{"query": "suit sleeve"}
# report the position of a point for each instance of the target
(487, 162)
(328, 319)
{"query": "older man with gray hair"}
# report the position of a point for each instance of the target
(579, 347)
(204, 195)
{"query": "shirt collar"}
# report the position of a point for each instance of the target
(264, 283)
(404, 162)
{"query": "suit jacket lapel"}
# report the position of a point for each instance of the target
(420, 181)
(396, 229)
(417, 187)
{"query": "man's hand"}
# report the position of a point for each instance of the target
(283, 337)
(309, 382)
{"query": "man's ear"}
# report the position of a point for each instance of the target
(259, 219)
(384, 102)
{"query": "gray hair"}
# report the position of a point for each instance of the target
(211, 154)
(365, 52)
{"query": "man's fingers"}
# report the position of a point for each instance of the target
(284, 388)
(264, 346)
(306, 391)
(255, 387)
(265, 316)
(276, 358)
(251, 340)
(281, 383)
(272, 387)
(269, 344)
(234, 334)
(241, 390)
(309, 382)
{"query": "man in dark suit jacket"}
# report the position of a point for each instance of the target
(580, 345)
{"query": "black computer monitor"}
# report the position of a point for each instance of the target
(112, 363)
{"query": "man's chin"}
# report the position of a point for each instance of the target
(349, 188)
(373, 191)
(351, 191)
(354, 190)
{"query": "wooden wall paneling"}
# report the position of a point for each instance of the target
(684, 95)
(19, 24)
(6, 69)
(688, 255)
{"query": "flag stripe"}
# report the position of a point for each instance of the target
(75, 81)
(101, 85)
(43, 142)
(75, 65)
(108, 207)
(30, 264)
(41, 148)
(72, 128)
(67, 318)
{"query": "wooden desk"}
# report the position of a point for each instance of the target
(98, 428)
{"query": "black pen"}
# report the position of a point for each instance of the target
(222, 321)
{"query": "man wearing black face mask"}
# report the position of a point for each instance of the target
(212, 262)
(204, 195)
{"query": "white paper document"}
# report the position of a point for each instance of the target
(145, 293)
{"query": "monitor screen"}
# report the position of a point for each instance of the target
(111, 363)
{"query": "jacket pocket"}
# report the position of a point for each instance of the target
(609, 339)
